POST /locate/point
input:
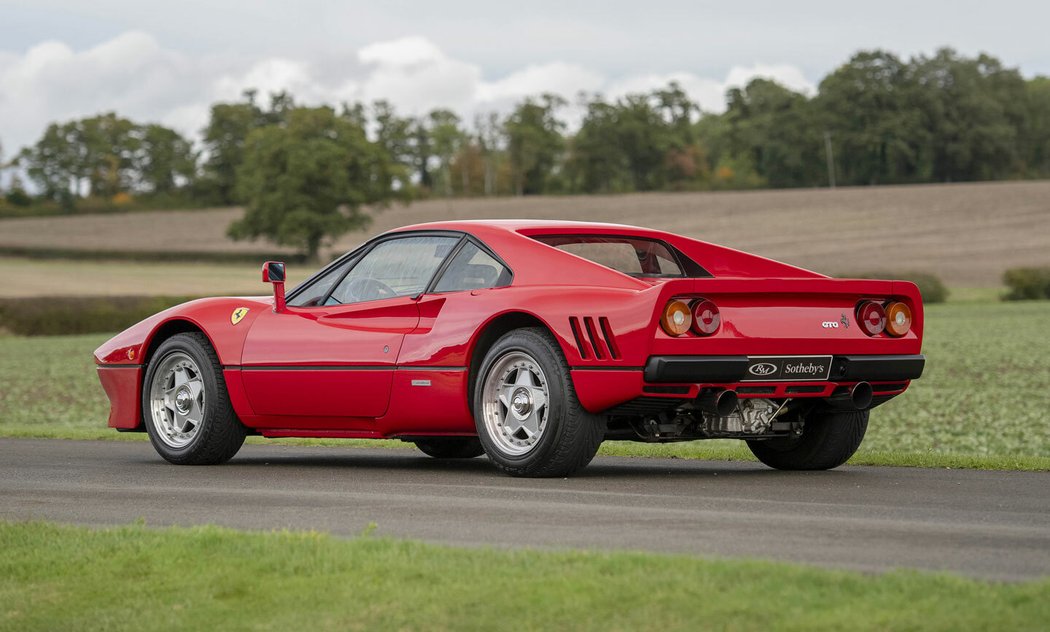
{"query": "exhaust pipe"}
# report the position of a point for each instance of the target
(718, 403)
(856, 398)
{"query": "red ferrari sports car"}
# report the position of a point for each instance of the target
(530, 342)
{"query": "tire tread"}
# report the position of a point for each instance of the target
(581, 432)
(223, 435)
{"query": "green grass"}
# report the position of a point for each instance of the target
(134, 578)
(981, 403)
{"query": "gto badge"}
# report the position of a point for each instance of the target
(238, 315)
(830, 324)
(762, 369)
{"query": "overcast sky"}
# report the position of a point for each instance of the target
(168, 61)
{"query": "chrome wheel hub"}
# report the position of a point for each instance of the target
(183, 400)
(177, 398)
(515, 398)
(521, 403)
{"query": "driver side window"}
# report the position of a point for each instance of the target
(397, 267)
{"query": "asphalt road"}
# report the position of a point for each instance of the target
(986, 524)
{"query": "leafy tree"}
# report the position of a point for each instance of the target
(598, 163)
(95, 154)
(534, 142)
(490, 144)
(446, 137)
(869, 105)
(164, 159)
(642, 142)
(776, 131)
(108, 144)
(1035, 134)
(224, 139)
(972, 109)
(395, 135)
(307, 179)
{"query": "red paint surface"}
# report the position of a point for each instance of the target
(123, 386)
(349, 370)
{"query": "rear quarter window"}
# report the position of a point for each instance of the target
(634, 256)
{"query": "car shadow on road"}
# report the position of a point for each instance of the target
(601, 467)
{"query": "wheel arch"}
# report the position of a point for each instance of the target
(166, 330)
(487, 336)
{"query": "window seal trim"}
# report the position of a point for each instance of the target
(680, 257)
(367, 247)
(482, 246)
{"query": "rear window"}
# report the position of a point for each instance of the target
(631, 255)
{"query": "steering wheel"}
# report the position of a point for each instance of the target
(368, 289)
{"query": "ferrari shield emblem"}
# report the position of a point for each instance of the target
(238, 314)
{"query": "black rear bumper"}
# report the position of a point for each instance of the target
(844, 368)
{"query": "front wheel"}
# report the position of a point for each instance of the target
(828, 440)
(528, 417)
(186, 408)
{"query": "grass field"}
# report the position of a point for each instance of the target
(133, 578)
(981, 403)
(965, 233)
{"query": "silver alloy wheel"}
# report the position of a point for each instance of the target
(515, 401)
(176, 399)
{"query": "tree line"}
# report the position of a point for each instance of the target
(304, 172)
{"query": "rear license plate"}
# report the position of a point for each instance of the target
(788, 369)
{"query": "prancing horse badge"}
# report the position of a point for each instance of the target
(238, 314)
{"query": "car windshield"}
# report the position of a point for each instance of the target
(631, 255)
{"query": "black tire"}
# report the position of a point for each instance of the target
(220, 434)
(451, 447)
(828, 440)
(571, 435)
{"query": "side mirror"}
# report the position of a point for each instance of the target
(273, 272)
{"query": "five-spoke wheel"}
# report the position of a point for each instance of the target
(177, 399)
(528, 418)
(515, 399)
(185, 406)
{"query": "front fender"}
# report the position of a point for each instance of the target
(212, 316)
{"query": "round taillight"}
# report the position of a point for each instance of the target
(706, 317)
(898, 319)
(676, 318)
(872, 317)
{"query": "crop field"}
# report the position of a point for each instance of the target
(981, 403)
(60, 277)
(965, 233)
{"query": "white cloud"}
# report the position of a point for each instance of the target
(134, 75)
(557, 78)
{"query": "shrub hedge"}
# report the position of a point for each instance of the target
(53, 316)
(1027, 283)
(930, 285)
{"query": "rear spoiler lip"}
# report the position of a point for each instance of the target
(750, 285)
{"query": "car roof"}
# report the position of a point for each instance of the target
(516, 225)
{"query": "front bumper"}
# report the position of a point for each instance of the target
(729, 369)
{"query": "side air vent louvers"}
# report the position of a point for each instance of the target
(594, 339)
(574, 323)
(610, 339)
(592, 333)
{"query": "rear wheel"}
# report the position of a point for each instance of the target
(451, 447)
(186, 408)
(828, 440)
(525, 408)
